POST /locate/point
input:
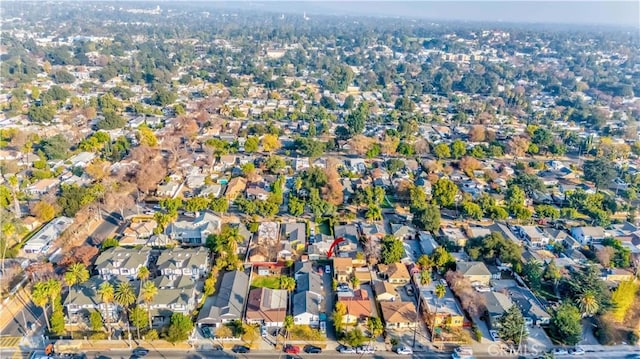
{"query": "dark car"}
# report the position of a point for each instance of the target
(140, 352)
(312, 349)
(240, 349)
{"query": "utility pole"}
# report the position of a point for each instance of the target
(415, 324)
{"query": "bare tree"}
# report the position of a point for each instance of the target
(604, 256)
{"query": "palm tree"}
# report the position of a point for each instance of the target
(148, 292)
(355, 282)
(77, 273)
(54, 288)
(288, 284)
(125, 296)
(40, 297)
(588, 303)
(107, 295)
(143, 273)
(439, 291)
(425, 277)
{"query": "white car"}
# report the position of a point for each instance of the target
(365, 350)
(576, 351)
(327, 269)
(560, 351)
(347, 350)
(404, 350)
(494, 335)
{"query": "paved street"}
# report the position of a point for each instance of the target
(30, 316)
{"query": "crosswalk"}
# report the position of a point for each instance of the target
(9, 342)
(19, 354)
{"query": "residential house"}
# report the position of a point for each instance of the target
(497, 304)
(533, 235)
(122, 262)
(228, 302)
(455, 235)
(81, 159)
(441, 310)
(363, 274)
(138, 232)
(267, 306)
(394, 273)
(561, 236)
(310, 282)
(385, 291)
(258, 193)
(235, 186)
(42, 187)
(225, 162)
(306, 309)
(342, 269)
(268, 233)
(192, 262)
(196, 231)
(476, 272)
(399, 315)
(588, 234)
(319, 247)
(427, 243)
(295, 234)
(349, 246)
(175, 295)
(83, 298)
(212, 190)
(169, 189)
(401, 231)
(373, 231)
(40, 243)
(358, 307)
(617, 275)
(529, 304)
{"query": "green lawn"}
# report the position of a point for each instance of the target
(269, 281)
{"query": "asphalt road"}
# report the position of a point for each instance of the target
(261, 355)
(29, 315)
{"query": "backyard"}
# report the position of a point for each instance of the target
(266, 281)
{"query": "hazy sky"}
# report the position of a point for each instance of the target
(626, 13)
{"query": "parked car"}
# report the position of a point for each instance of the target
(343, 349)
(263, 331)
(327, 269)
(576, 351)
(206, 332)
(462, 353)
(409, 289)
(291, 349)
(559, 351)
(311, 349)
(140, 352)
(365, 350)
(404, 350)
(240, 349)
(494, 335)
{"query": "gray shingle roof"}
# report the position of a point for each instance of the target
(306, 302)
(178, 258)
(121, 257)
(228, 302)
